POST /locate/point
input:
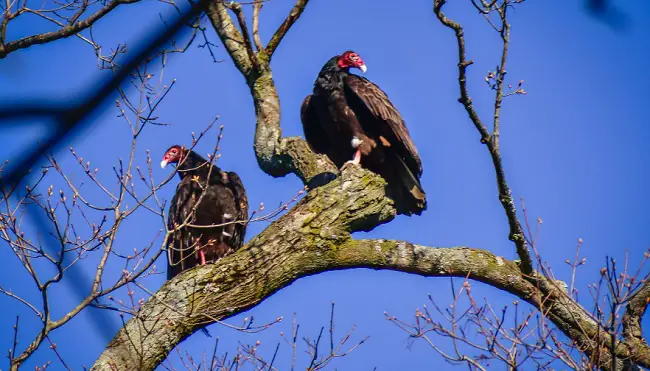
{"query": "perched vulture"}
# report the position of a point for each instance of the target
(350, 119)
(224, 200)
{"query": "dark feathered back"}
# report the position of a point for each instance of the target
(209, 229)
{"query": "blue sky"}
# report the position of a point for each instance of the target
(575, 147)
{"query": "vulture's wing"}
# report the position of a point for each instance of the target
(241, 205)
(391, 124)
(179, 246)
(314, 133)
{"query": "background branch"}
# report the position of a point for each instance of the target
(505, 194)
(68, 30)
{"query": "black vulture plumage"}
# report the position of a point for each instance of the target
(349, 118)
(206, 196)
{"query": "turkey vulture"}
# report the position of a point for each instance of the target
(350, 118)
(222, 199)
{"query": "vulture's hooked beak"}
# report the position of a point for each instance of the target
(163, 163)
(363, 68)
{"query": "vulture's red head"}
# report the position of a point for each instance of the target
(351, 59)
(173, 155)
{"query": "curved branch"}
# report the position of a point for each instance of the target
(64, 32)
(505, 195)
(313, 238)
(305, 241)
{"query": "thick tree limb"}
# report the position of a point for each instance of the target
(303, 242)
(312, 238)
(634, 311)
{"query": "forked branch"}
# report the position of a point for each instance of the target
(276, 155)
(71, 29)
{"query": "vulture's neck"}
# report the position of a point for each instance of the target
(194, 164)
(331, 76)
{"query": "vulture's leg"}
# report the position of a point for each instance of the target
(356, 144)
(357, 157)
(202, 256)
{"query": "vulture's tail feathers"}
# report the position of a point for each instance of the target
(407, 191)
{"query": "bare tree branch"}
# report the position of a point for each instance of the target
(505, 194)
(69, 30)
(231, 38)
(257, 7)
(285, 26)
(241, 20)
(635, 310)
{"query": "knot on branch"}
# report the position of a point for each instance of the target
(313, 169)
(355, 201)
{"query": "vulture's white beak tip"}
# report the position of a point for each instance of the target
(363, 68)
(163, 163)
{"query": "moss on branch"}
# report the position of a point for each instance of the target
(314, 237)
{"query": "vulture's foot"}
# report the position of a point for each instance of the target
(356, 160)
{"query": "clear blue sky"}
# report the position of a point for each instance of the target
(575, 148)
